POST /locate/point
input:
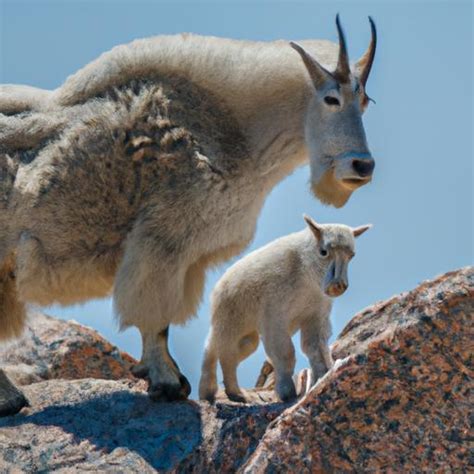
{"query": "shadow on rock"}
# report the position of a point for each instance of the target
(162, 434)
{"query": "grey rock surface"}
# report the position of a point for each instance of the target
(112, 426)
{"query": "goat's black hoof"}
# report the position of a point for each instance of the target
(140, 371)
(12, 400)
(167, 392)
(236, 397)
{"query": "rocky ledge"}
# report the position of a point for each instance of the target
(397, 400)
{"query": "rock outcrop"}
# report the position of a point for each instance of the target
(55, 349)
(397, 400)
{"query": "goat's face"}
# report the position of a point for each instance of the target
(340, 159)
(335, 248)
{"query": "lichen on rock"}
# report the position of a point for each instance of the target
(55, 349)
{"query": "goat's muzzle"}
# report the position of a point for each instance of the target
(363, 167)
(336, 288)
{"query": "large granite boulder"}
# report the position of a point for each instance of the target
(55, 349)
(397, 401)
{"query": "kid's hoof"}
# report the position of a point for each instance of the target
(287, 393)
(207, 391)
(11, 399)
(288, 397)
(236, 397)
(210, 397)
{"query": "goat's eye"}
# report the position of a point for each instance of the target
(331, 100)
(323, 252)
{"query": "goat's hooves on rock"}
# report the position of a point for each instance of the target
(13, 405)
(12, 399)
(211, 398)
(166, 392)
(288, 398)
(287, 395)
(236, 397)
(140, 371)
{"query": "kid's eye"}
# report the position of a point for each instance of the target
(331, 100)
(323, 252)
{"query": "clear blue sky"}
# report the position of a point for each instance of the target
(420, 131)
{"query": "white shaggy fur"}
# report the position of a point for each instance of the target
(151, 164)
(274, 292)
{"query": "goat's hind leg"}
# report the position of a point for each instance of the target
(229, 362)
(157, 365)
(231, 358)
(208, 380)
(248, 345)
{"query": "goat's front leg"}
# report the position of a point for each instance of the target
(314, 343)
(149, 294)
(157, 365)
(281, 352)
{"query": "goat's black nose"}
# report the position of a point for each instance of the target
(364, 168)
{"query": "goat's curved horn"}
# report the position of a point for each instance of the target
(364, 65)
(343, 69)
(319, 75)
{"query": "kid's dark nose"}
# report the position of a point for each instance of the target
(336, 288)
(364, 168)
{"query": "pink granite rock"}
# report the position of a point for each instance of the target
(55, 349)
(398, 400)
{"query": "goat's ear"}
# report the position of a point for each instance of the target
(314, 226)
(356, 231)
(319, 75)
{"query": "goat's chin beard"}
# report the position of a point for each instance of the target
(330, 190)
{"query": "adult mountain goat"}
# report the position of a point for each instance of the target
(152, 163)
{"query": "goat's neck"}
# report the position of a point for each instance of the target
(270, 108)
(275, 137)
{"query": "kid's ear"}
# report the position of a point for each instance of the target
(314, 226)
(356, 231)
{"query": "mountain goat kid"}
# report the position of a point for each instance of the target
(284, 286)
